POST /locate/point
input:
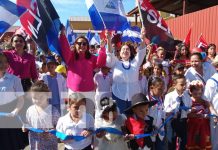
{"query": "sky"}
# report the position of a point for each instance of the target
(70, 8)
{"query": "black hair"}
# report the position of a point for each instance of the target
(153, 81)
(211, 45)
(20, 36)
(197, 54)
(180, 46)
(132, 49)
(87, 53)
(176, 77)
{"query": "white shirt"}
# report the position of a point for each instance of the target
(66, 125)
(143, 83)
(125, 81)
(10, 88)
(208, 70)
(171, 103)
(103, 82)
(43, 119)
(211, 91)
(157, 113)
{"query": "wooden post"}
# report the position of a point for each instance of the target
(184, 7)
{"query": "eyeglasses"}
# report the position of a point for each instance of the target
(81, 43)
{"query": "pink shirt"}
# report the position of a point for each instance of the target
(80, 72)
(22, 66)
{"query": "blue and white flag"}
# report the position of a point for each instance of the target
(132, 34)
(106, 14)
(9, 14)
(95, 40)
(89, 35)
(71, 36)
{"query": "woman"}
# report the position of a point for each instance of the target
(126, 72)
(182, 55)
(211, 52)
(11, 102)
(21, 63)
(81, 65)
(199, 70)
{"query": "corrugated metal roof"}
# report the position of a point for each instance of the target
(204, 21)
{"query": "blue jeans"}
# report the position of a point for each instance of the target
(121, 104)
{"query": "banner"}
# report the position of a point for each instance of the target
(156, 27)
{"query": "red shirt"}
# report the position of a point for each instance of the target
(22, 66)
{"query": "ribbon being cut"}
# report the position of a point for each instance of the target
(63, 136)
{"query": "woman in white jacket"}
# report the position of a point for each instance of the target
(125, 72)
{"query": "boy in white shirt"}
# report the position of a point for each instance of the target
(173, 102)
(77, 122)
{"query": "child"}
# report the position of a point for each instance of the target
(138, 122)
(103, 82)
(198, 123)
(77, 122)
(41, 116)
(159, 72)
(155, 92)
(56, 83)
(173, 102)
(111, 118)
(143, 81)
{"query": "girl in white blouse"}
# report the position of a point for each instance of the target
(125, 72)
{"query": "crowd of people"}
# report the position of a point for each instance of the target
(150, 101)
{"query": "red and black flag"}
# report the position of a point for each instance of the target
(42, 23)
(157, 30)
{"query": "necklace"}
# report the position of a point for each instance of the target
(128, 67)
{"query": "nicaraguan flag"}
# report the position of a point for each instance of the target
(71, 36)
(9, 14)
(131, 34)
(95, 40)
(106, 14)
(89, 35)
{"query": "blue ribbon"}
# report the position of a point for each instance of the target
(111, 130)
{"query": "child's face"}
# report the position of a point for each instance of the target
(197, 93)
(180, 85)
(180, 71)
(157, 90)
(161, 54)
(40, 98)
(3, 65)
(110, 116)
(105, 70)
(157, 71)
(77, 109)
(51, 67)
(141, 111)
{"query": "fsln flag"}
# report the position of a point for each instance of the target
(10, 13)
(41, 22)
(154, 24)
(188, 38)
(106, 14)
(132, 34)
(95, 40)
(201, 43)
